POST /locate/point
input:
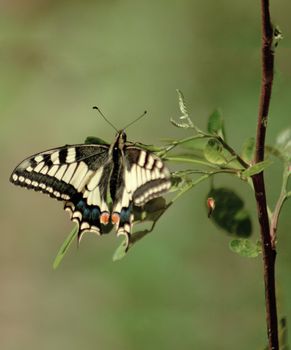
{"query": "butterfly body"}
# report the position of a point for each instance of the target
(99, 183)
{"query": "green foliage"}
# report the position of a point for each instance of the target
(65, 246)
(210, 151)
(257, 168)
(245, 247)
(213, 152)
(185, 121)
(95, 140)
(283, 143)
(215, 124)
(229, 213)
(248, 150)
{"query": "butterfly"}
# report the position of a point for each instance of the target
(99, 183)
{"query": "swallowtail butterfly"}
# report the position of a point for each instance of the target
(99, 183)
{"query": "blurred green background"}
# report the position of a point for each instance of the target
(180, 287)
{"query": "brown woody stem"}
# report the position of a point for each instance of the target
(269, 251)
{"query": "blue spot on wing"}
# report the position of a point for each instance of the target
(95, 214)
(125, 215)
(81, 205)
(90, 213)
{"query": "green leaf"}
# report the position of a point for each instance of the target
(257, 168)
(283, 143)
(213, 152)
(242, 224)
(62, 251)
(229, 213)
(151, 148)
(283, 138)
(195, 143)
(215, 124)
(245, 247)
(120, 252)
(248, 150)
(187, 158)
(95, 141)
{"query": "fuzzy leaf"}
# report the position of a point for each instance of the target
(229, 213)
(213, 152)
(185, 121)
(248, 149)
(257, 168)
(182, 104)
(215, 124)
(65, 246)
(245, 247)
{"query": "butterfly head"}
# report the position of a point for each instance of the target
(120, 139)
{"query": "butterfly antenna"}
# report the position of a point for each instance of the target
(103, 116)
(135, 120)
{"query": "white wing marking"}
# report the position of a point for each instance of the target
(71, 155)
(38, 168)
(69, 172)
(61, 172)
(80, 172)
(94, 182)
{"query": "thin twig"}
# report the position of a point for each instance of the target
(233, 152)
(282, 198)
(269, 252)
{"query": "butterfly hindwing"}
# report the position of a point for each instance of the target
(89, 209)
(143, 177)
(146, 175)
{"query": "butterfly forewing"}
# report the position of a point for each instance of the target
(60, 172)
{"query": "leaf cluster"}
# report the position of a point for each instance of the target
(203, 155)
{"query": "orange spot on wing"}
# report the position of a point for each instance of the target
(115, 218)
(104, 218)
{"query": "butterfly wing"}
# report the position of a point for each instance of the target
(76, 174)
(143, 177)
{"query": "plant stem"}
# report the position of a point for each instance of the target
(279, 205)
(269, 252)
(233, 153)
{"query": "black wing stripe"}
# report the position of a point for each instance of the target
(62, 155)
(39, 182)
(150, 190)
